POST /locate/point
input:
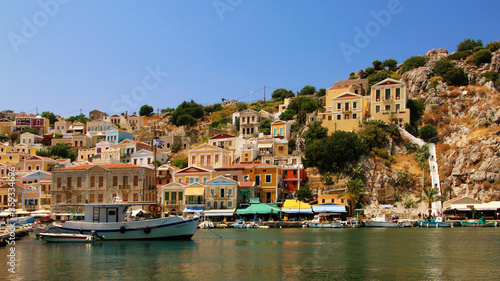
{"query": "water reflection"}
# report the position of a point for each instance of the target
(325, 254)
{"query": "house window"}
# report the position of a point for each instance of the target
(101, 198)
(79, 182)
(354, 105)
(212, 191)
(115, 180)
(191, 180)
(398, 93)
(285, 173)
(204, 180)
(294, 172)
(346, 106)
(333, 200)
(339, 117)
(354, 116)
(230, 204)
(209, 204)
(346, 116)
(209, 160)
(387, 94)
(339, 106)
(29, 168)
(136, 180)
(229, 191)
(329, 117)
(92, 181)
(59, 180)
(68, 182)
(322, 200)
(101, 181)
(387, 107)
(125, 181)
(398, 107)
(136, 196)
(377, 95)
(269, 178)
(193, 160)
(216, 158)
(202, 160)
(377, 109)
(91, 198)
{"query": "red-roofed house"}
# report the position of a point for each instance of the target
(388, 101)
(101, 183)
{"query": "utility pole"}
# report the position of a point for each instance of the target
(264, 94)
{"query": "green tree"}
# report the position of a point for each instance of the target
(417, 109)
(304, 194)
(490, 75)
(59, 150)
(354, 189)
(493, 46)
(370, 70)
(291, 146)
(429, 195)
(287, 115)
(237, 124)
(29, 130)
(377, 77)
(78, 118)
(51, 116)
(456, 77)
(428, 133)
(459, 55)
(377, 65)
(181, 162)
(409, 203)
(321, 92)
(281, 94)
(265, 126)
(315, 131)
(390, 64)
(213, 108)
(187, 113)
(241, 106)
(146, 110)
(373, 136)
(176, 147)
(442, 66)
(334, 152)
(307, 90)
(469, 44)
(412, 62)
(481, 57)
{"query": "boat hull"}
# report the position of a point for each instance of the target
(434, 224)
(476, 224)
(66, 238)
(155, 229)
(325, 225)
(381, 224)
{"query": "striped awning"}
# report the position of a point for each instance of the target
(195, 191)
(329, 209)
(297, 211)
(219, 213)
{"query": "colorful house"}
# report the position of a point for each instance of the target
(39, 163)
(193, 174)
(209, 156)
(194, 198)
(6, 127)
(145, 157)
(165, 174)
(281, 129)
(388, 102)
(116, 135)
(172, 198)
(293, 177)
(221, 193)
(31, 121)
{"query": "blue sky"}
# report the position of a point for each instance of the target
(67, 56)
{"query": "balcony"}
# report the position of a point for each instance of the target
(172, 203)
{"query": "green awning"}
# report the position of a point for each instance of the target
(258, 209)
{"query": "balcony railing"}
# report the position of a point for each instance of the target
(173, 202)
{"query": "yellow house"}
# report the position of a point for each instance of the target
(172, 197)
(388, 102)
(86, 154)
(193, 174)
(344, 109)
(13, 158)
(4, 149)
(209, 156)
(284, 106)
(25, 149)
(29, 138)
(6, 127)
(281, 129)
(221, 193)
(39, 163)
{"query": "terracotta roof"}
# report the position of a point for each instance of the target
(344, 87)
(106, 166)
(222, 136)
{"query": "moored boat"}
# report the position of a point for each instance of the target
(115, 223)
(381, 220)
(479, 223)
(438, 222)
(70, 238)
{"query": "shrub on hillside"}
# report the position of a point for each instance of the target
(428, 133)
(369, 70)
(481, 57)
(460, 55)
(469, 44)
(490, 75)
(456, 77)
(412, 62)
(442, 67)
(493, 46)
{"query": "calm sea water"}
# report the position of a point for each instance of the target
(271, 254)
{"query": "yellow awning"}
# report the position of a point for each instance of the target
(195, 191)
(295, 204)
(264, 145)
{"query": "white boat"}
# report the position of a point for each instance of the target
(321, 221)
(115, 223)
(382, 220)
(70, 238)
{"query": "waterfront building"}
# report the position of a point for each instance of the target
(172, 198)
(221, 193)
(388, 102)
(101, 183)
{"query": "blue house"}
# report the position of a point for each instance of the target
(116, 135)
